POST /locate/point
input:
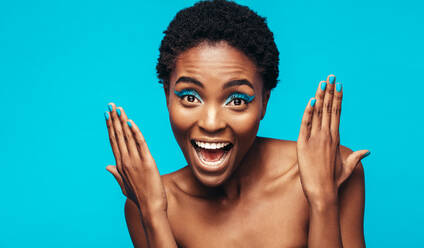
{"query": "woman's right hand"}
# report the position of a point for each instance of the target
(135, 170)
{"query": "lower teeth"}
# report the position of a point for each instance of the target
(211, 162)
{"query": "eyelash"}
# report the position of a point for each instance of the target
(236, 95)
(188, 92)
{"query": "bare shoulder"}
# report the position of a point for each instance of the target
(352, 205)
(279, 157)
(277, 149)
(172, 181)
(180, 183)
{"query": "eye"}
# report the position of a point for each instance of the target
(239, 99)
(189, 96)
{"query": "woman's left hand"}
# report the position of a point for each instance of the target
(321, 168)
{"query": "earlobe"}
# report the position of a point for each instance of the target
(265, 99)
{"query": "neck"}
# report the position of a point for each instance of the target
(246, 175)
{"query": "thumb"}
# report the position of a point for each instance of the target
(112, 169)
(351, 163)
(353, 159)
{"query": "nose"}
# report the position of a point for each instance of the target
(212, 120)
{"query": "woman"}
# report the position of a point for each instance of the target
(218, 63)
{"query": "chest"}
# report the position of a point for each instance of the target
(264, 221)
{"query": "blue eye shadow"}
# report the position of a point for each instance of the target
(243, 96)
(188, 92)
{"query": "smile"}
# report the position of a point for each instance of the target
(212, 155)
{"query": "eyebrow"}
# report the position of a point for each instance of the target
(226, 85)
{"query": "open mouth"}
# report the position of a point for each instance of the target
(212, 154)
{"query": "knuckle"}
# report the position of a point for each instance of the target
(336, 138)
(327, 106)
(325, 135)
(307, 123)
(127, 136)
(336, 110)
(119, 132)
(319, 112)
(118, 158)
(125, 160)
(140, 140)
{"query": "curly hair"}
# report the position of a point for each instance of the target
(215, 21)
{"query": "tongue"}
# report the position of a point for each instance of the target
(212, 155)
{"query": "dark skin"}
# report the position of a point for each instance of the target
(269, 192)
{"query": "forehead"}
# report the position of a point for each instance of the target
(219, 62)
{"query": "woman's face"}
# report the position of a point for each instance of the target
(215, 104)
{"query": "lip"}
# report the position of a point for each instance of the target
(212, 169)
(211, 140)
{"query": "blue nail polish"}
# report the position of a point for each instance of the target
(313, 102)
(366, 154)
(107, 115)
(323, 85)
(118, 111)
(339, 87)
(110, 107)
(129, 124)
(331, 79)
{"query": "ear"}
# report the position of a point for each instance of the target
(166, 91)
(265, 98)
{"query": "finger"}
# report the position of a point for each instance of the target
(336, 112)
(113, 170)
(128, 134)
(142, 147)
(351, 163)
(119, 133)
(353, 159)
(305, 126)
(328, 100)
(112, 139)
(317, 116)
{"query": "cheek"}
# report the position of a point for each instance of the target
(181, 119)
(245, 125)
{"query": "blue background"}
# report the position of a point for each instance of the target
(61, 62)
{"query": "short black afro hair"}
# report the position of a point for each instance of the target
(220, 20)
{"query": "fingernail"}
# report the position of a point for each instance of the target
(331, 79)
(313, 102)
(323, 85)
(366, 154)
(339, 87)
(110, 107)
(107, 115)
(129, 123)
(118, 111)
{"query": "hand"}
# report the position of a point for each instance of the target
(321, 168)
(135, 169)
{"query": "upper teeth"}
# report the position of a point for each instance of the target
(207, 145)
